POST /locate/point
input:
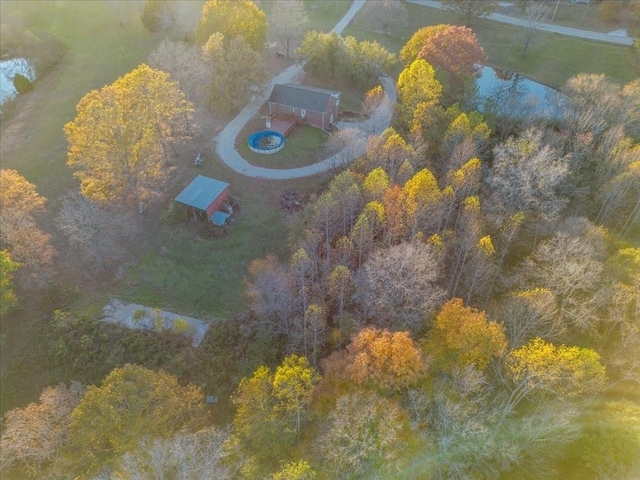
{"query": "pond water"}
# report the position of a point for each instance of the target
(8, 70)
(513, 95)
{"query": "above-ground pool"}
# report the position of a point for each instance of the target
(266, 142)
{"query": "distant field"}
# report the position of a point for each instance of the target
(575, 15)
(551, 61)
(105, 40)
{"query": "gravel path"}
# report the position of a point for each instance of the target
(617, 37)
(225, 146)
(139, 317)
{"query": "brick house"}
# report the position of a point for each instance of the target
(315, 106)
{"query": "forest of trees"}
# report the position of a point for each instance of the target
(461, 302)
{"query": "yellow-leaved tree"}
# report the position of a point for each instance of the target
(463, 336)
(241, 18)
(120, 138)
(417, 84)
(540, 370)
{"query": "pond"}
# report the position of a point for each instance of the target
(8, 70)
(513, 95)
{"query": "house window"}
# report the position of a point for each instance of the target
(303, 113)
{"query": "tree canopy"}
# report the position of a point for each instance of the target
(330, 55)
(540, 369)
(457, 56)
(231, 83)
(25, 243)
(233, 19)
(130, 403)
(121, 136)
(462, 336)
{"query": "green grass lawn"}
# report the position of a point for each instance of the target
(193, 275)
(324, 14)
(574, 15)
(304, 146)
(551, 61)
(105, 40)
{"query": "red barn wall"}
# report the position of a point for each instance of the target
(215, 205)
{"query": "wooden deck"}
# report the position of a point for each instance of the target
(283, 124)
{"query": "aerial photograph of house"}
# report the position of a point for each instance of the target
(318, 240)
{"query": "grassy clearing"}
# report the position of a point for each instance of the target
(203, 277)
(551, 61)
(324, 14)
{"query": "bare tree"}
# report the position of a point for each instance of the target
(184, 456)
(624, 320)
(594, 104)
(397, 287)
(571, 267)
(456, 408)
(472, 260)
(98, 234)
(186, 65)
(34, 436)
(535, 15)
(301, 271)
(271, 296)
(362, 432)
(528, 314)
(344, 146)
(288, 23)
(525, 177)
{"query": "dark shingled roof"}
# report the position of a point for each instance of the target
(300, 96)
(201, 192)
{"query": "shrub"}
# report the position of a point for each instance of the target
(138, 315)
(22, 84)
(182, 326)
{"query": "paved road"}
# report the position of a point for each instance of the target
(226, 138)
(616, 38)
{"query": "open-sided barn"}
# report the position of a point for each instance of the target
(210, 196)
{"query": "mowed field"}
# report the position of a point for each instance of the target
(551, 60)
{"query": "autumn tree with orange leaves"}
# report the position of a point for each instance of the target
(23, 241)
(456, 55)
(380, 359)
